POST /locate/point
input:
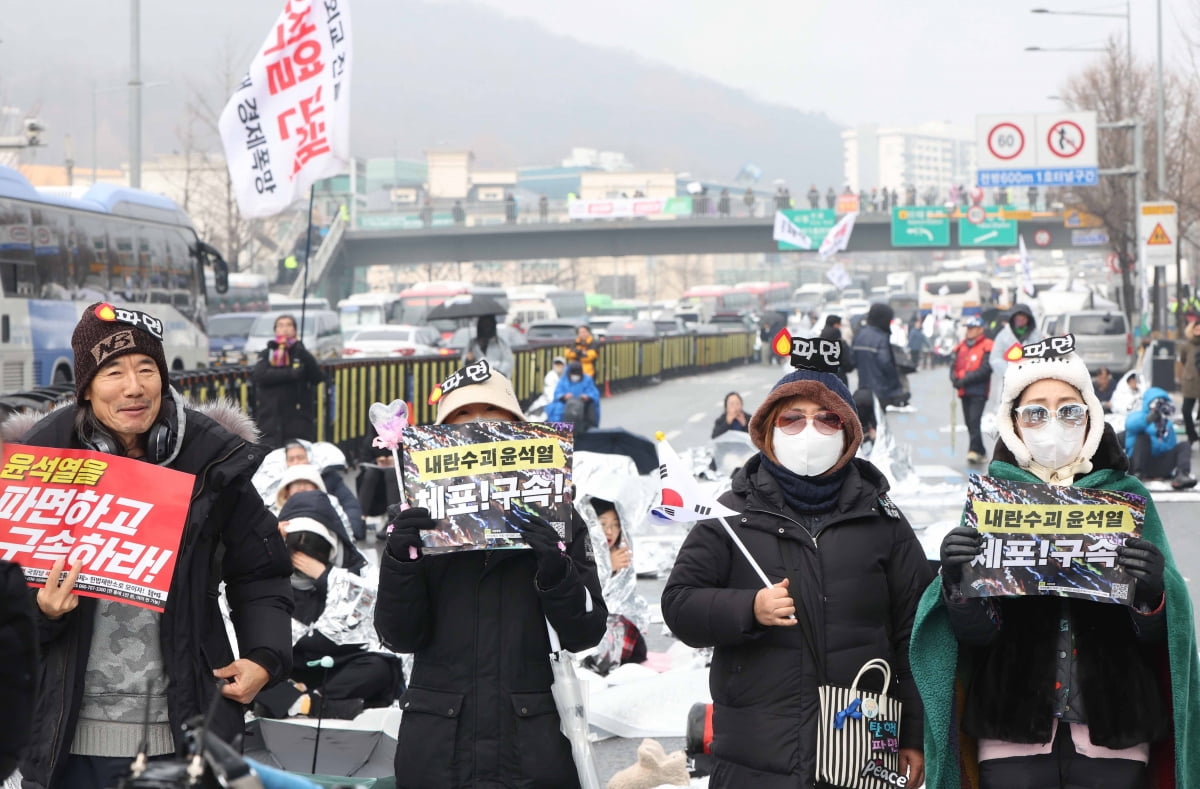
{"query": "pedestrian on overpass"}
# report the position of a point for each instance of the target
(814, 197)
(749, 199)
(971, 376)
(844, 564)
(1051, 691)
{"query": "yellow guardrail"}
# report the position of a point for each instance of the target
(352, 386)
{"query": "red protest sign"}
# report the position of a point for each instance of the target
(122, 518)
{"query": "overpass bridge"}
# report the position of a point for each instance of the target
(346, 249)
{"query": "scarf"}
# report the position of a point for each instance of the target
(807, 494)
(280, 354)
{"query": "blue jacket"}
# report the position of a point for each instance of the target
(586, 386)
(876, 364)
(1139, 422)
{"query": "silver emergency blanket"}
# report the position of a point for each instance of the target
(321, 454)
(349, 615)
(614, 478)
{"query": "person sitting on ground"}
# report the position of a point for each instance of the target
(1127, 397)
(576, 400)
(297, 451)
(333, 616)
(628, 613)
(302, 477)
(734, 418)
(1104, 385)
(1150, 442)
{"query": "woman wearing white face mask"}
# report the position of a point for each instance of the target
(841, 555)
(1054, 691)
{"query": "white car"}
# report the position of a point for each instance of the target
(380, 342)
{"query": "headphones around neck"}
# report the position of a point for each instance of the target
(160, 439)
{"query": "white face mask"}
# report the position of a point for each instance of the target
(810, 452)
(1054, 444)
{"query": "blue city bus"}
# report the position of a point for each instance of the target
(60, 253)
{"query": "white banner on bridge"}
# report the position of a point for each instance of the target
(617, 208)
(788, 232)
(288, 123)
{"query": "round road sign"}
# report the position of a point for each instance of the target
(1042, 238)
(1065, 139)
(976, 214)
(1006, 141)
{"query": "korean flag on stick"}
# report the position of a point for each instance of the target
(288, 122)
(681, 500)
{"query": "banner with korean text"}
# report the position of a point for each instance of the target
(288, 122)
(1050, 540)
(471, 476)
(122, 518)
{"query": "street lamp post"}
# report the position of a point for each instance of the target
(96, 92)
(135, 95)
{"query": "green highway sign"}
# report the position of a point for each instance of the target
(920, 227)
(991, 232)
(815, 223)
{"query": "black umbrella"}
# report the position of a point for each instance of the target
(619, 441)
(468, 306)
(363, 758)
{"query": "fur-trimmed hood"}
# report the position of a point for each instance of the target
(224, 412)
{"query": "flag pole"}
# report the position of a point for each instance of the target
(312, 191)
(741, 546)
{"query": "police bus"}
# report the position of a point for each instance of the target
(60, 253)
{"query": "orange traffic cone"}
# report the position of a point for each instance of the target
(607, 391)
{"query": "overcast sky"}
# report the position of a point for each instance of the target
(886, 61)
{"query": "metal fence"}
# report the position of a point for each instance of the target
(351, 387)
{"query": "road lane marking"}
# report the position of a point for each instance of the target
(696, 417)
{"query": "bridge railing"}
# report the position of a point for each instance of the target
(351, 386)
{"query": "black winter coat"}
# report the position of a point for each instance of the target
(877, 364)
(18, 663)
(478, 711)
(285, 398)
(858, 583)
(229, 535)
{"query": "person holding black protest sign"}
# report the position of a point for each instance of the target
(1059, 691)
(107, 666)
(845, 565)
(478, 709)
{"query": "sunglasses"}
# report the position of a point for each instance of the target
(1035, 416)
(792, 422)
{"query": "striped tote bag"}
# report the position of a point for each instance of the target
(858, 736)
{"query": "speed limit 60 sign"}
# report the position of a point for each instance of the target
(1007, 141)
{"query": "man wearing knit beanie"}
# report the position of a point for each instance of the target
(117, 678)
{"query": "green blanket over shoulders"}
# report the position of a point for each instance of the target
(934, 653)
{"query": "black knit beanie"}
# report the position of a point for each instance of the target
(106, 332)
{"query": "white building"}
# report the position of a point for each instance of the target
(932, 155)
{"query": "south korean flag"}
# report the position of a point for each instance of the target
(680, 498)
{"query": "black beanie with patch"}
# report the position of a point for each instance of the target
(106, 332)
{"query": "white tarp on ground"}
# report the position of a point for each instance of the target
(645, 703)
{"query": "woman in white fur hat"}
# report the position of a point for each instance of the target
(1057, 691)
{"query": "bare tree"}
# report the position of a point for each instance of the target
(1118, 90)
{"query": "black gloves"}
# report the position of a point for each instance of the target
(960, 546)
(404, 542)
(547, 546)
(1144, 561)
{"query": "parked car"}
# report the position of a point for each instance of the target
(1102, 338)
(670, 326)
(630, 330)
(554, 331)
(322, 333)
(734, 321)
(227, 335)
(392, 341)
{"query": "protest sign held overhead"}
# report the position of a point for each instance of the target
(472, 476)
(1050, 540)
(120, 517)
(288, 122)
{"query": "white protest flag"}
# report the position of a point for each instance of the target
(679, 497)
(838, 236)
(788, 232)
(838, 275)
(288, 123)
(1026, 268)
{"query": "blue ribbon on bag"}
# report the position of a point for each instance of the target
(851, 711)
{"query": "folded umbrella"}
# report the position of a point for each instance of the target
(568, 697)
